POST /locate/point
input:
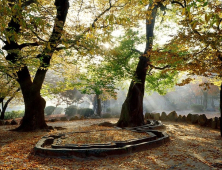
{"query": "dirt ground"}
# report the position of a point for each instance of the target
(191, 147)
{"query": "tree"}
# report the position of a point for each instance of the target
(9, 90)
(33, 38)
(201, 36)
(132, 108)
(100, 82)
(34, 103)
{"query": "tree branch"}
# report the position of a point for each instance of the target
(37, 36)
(185, 4)
(159, 68)
(137, 51)
(27, 44)
(176, 2)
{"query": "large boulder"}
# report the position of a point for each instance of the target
(163, 116)
(2, 122)
(202, 120)
(209, 122)
(189, 118)
(156, 116)
(14, 122)
(179, 119)
(194, 118)
(184, 118)
(214, 123)
(147, 116)
(172, 116)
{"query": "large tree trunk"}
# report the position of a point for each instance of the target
(34, 103)
(132, 108)
(34, 118)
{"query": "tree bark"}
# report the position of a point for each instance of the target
(132, 108)
(99, 107)
(34, 104)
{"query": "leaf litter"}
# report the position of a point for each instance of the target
(192, 147)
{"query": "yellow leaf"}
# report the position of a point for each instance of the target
(48, 46)
(8, 39)
(183, 11)
(194, 24)
(190, 16)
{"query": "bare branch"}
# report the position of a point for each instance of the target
(201, 50)
(185, 4)
(135, 50)
(28, 44)
(38, 36)
(176, 2)
(159, 68)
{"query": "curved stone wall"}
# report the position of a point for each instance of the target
(50, 145)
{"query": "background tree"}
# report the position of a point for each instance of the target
(9, 90)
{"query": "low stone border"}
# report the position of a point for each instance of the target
(201, 119)
(49, 145)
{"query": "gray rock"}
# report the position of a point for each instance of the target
(152, 115)
(194, 118)
(214, 123)
(184, 118)
(209, 122)
(147, 116)
(163, 116)
(150, 122)
(156, 116)
(179, 119)
(158, 122)
(189, 118)
(2, 122)
(172, 116)
(202, 120)
(14, 122)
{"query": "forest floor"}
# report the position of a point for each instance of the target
(190, 147)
